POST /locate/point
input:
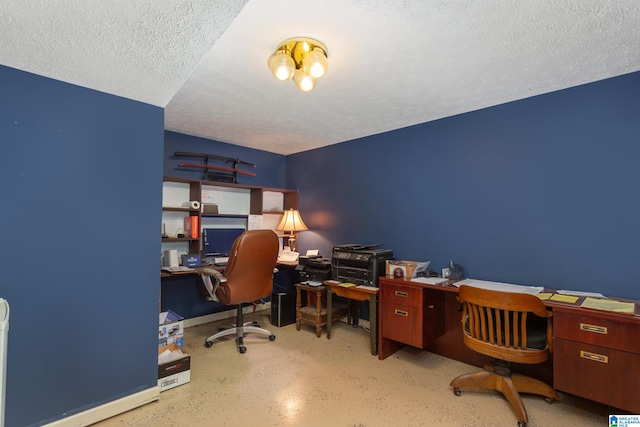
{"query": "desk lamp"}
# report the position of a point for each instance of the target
(291, 222)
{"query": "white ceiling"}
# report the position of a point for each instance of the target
(392, 63)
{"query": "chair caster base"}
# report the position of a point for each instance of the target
(242, 349)
(456, 391)
(208, 344)
(272, 337)
(522, 424)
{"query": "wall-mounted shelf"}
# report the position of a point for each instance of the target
(237, 203)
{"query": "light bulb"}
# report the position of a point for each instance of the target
(303, 81)
(281, 65)
(315, 63)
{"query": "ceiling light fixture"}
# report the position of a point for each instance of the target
(302, 58)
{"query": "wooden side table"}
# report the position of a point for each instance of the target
(314, 310)
(357, 294)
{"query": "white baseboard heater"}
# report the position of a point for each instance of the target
(4, 335)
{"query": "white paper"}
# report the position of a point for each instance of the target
(314, 283)
(498, 286)
(288, 256)
(169, 356)
(429, 280)
(421, 268)
(370, 288)
(254, 222)
(312, 252)
(580, 293)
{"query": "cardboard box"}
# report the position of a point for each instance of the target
(171, 329)
(175, 372)
(406, 269)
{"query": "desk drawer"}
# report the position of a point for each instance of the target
(618, 332)
(597, 373)
(402, 294)
(402, 323)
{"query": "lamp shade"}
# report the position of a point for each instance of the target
(291, 221)
(281, 65)
(315, 63)
(303, 81)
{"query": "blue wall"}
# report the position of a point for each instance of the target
(538, 191)
(270, 167)
(81, 185)
(541, 191)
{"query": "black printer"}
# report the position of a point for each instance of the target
(359, 264)
(314, 268)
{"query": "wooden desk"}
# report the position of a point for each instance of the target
(596, 353)
(356, 294)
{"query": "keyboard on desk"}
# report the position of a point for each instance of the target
(217, 261)
(178, 269)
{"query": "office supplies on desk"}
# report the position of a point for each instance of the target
(498, 286)
(178, 269)
(564, 298)
(407, 269)
(456, 271)
(581, 293)
(609, 305)
(313, 283)
(347, 285)
(430, 280)
(220, 261)
(288, 256)
(368, 288)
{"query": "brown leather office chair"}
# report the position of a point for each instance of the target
(247, 278)
(510, 327)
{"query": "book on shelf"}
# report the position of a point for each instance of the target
(191, 227)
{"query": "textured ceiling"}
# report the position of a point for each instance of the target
(392, 63)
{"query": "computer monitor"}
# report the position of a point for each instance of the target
(217, 242)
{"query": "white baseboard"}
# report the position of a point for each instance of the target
(133, 401)
(222, 315)
(109, 410)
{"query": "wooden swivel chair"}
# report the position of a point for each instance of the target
(247, 278)
(510, 327)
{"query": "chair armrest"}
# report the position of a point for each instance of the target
(212, 279)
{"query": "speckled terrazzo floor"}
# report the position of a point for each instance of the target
(302, 380)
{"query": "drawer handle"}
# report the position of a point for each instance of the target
(402, 313)
(593, 328)
(594, 356)
(401, 294)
